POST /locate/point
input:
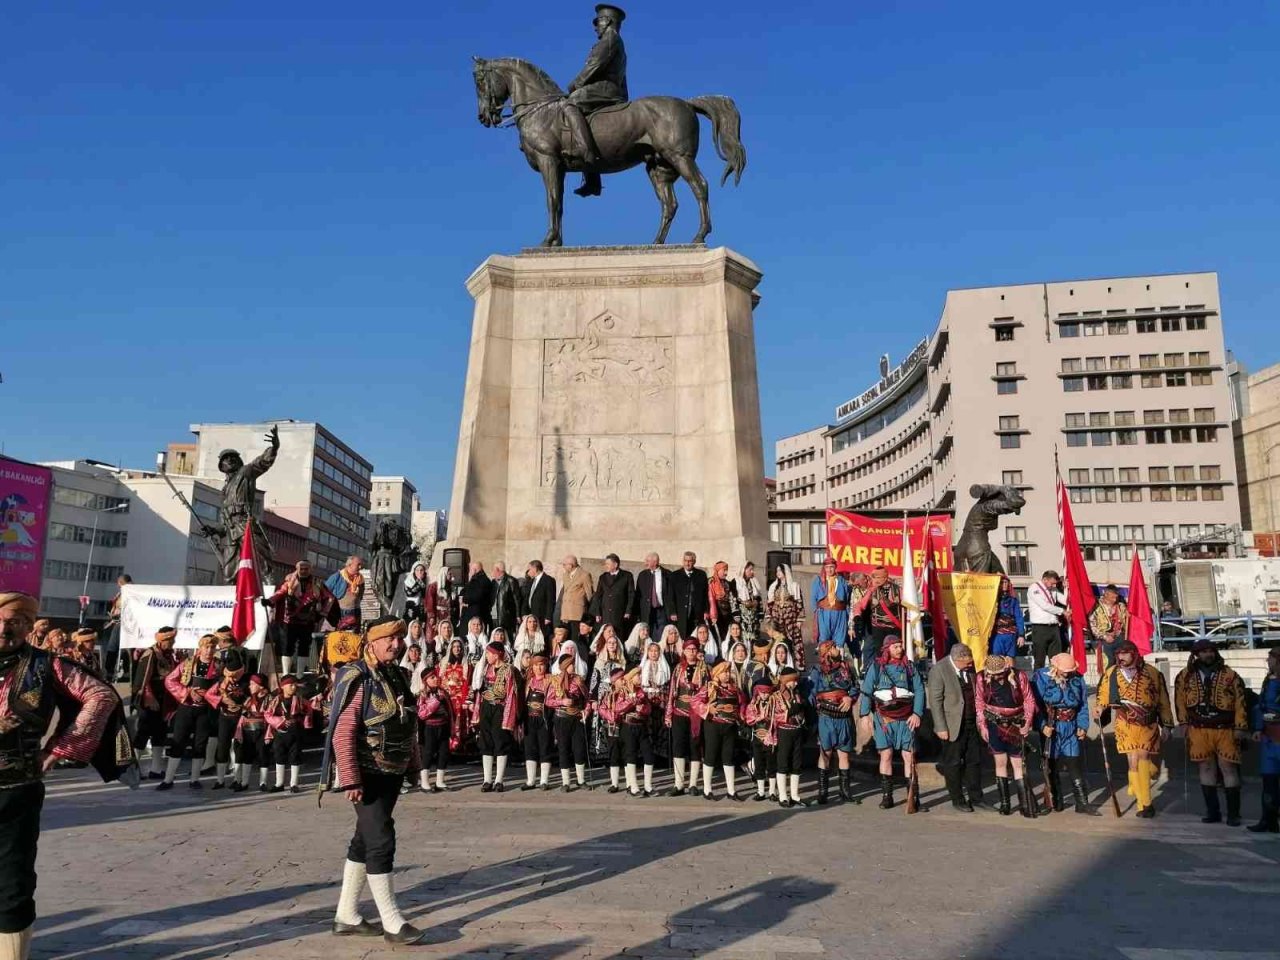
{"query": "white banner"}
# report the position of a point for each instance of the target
(192, 611)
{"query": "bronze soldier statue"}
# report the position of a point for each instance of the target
(239, 494)
(602, 82)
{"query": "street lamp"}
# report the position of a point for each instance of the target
(93, 538)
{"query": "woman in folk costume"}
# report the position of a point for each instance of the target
(475, 641)
(443, 638)
(637, 640)
(720, 704)
(1063, 702)
(188, 684)
(1006, 712)
(1134, 692)
(750, 601)
(567, 698)
(780, 659)
(441, 601)
(708, 647)
(786, 610)
(739, 660)
(529, 638)
(415, 666)
(609, 656)
(687, 680)
(654, 681)
(455, 681)
(415, 593)
(1009, 632)
(579, 664)
(722, 599)
(893, 689)
(670, 644)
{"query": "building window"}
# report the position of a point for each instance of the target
(1210, 493)
(1161, 494)
(1100, 438)
(1072, 365)
(1109, 533)
(1104, 475)
(1077, 476)
(1080, 495)
(1198, 358)
(1095, 363)
(1156, 436)
(1094, 328)
(1195, 323)
(1206, 434)
(773, 531)
(1126, 438)
(1184, 474)
(817, 557)
(1072, 384)
(1100, 419)
(1135, 532)
(1180, 435)
(1010, 441)
(1019, 561)
(1170, 324)
(1006, 369)
(1210, 472)
(1130, 475)
(1131, 495)
(1152, 417)
(817, 533)
(1006, 387)
(1066, 330)
(1175, 379)
(1185, 494)
(1117, 328)
(1175, 360)
(1145, 326)
(1084, 534)
(1009, 423)
(1150, 380)
(1148, 361)
(1097, 383)
(1179, 415)
(1158, 474)
(1189, 530)
(1122, 381)
(1013, 478)
(1120, 363)
(1004, 334)
(1104, 494)
(1015, 534)
(1125, 418)
(791, 533)
(1162, 533)
(1077, 420)
(1202, 379)
(1205, 415)
(1077, 439)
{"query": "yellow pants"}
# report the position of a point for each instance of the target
(1141, 775)
(1206, 743)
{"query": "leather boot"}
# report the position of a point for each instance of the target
(1059, 801)
(1002, 789)
(1212, 810)
(1081, 795)
(846, 787)
(1269, 822)
(1233, 806)
(886, 791)
(824, 786)
(1025, 799)
(956, 792)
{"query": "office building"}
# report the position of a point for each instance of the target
(1124, 380)
(1257, 443)
(392, 498)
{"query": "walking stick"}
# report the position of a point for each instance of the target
(1186, 770)
(1106, 765)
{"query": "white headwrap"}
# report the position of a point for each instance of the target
(632, 646)
(534, 642)
(787, 582)
(654, 674)
(774, 667)
(579, 665)
(747, 589)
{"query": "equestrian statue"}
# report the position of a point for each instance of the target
(596, 129)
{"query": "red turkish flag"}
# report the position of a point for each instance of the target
(248, 590)
(1080, 598)
(1142, 625)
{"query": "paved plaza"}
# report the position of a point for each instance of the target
(546, 875)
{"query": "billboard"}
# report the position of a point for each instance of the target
(24, 521)
(859, 544)
(192, 611)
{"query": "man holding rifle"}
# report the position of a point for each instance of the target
(1064, 722)
(1137, 694)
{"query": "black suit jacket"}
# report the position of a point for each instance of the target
(477, 599)
(644, 594)
(542, 602)
(689, 595)
(614, 597)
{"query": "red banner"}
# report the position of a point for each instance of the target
(859, 544)
(24, 518)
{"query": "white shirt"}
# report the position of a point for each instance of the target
(1046, 605)
(657, 582)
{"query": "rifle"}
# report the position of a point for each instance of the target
(1106, 766)
(1044, 773)
(913, 790)
(218, 541)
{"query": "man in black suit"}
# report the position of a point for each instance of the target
(689, 595)
(614, 599)
(542, 598)
(477, 596)
(653, 597)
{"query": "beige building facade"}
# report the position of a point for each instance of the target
(1124, 379)
(1257, 440)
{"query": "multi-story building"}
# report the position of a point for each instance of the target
(288, 545)
(392, 497)
(317, 481)
(1257, 442)
(1120, 381)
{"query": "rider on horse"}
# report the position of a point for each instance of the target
(601, 83)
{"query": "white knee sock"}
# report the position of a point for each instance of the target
(158, 760)
(781, 779)
(706, 778)
(680, 766)
(694, 767)
(613, 776)
(286, 664)
(221, 774)
(171, 770)
(759, 788)
(279, 775)
(530, 772)
(486, 764)
(730, 781)
(424, 779)
(502, 769)
(440, 779)
(581, 770)
(16, 946)
(795, 786)
(264, 776)
(632, 785)
(385, 897)
(564, 776)
(294, 772)
(349, 899)
(210, 753)
(195, 769)
(546, 773)
(648, 777)
(243, 777)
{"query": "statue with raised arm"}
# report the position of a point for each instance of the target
(239, 496)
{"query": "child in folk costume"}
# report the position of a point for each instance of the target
(287, 715)
(227, 698)
(455, 681)
(833, 692)
(1006, 713)
(251, 747)
(494, 692)
(539, 744)
(1135, 693)
(786, 731)
(758, 717)
(892, 687)
(687, 680)
(624, 711)
(720, 704)
(567, 697)
(435, 730)
(654, 680)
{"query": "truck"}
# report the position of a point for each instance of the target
(1233, 600)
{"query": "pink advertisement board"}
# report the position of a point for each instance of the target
(24, 520)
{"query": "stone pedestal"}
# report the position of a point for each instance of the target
(611, 406)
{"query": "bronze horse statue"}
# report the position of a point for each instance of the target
(659, 132)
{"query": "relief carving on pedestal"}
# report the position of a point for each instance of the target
(602, 358)
(607, 470)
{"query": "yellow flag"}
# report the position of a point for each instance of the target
(971, 600)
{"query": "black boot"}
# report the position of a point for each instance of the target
(846, 787)
(824, 786)
(886, 791)
(1081, 795)
(1055, 784)
(1233, 806)
(956, 792)
(1002, 788)
(1212, 810)
(1025, 799)
(1269, 822)
(976, 799)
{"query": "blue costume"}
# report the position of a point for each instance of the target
(1009, 627)
(1268, 706)
(901, 694)
(1064, 707)
(835, 729)
(832, 612)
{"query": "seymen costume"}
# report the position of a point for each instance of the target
(1063, 704)
(1139, 699)
(1209, 698)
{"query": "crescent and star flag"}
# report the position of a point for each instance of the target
(1080, 598)
(1142, 626)
(248, 589)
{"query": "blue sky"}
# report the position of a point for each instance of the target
(212, 212)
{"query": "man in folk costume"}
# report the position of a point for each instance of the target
(786, 730)
(1209, 701)
(539, 745)
(830, 597)
(1266, 731)
(1063, 703)
(251, 745)
(34, 684)
(300, 604)
(719, 705)
(151, 700)
(287, 715)
(1109, 622)
(347, 587)
(881, 610)
(435, 722)
(194, 720)
(688, 678)
(1135, 692)
(1006, 714)
(371, 744)
(893, 689)
(833, 690)
(227, 700)
(758, 716)
(567, 696)
(496, 698)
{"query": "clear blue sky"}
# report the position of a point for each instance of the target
(241, 210)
